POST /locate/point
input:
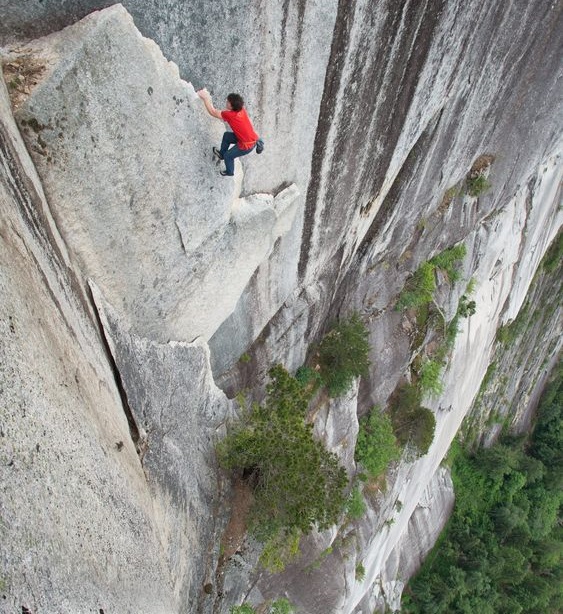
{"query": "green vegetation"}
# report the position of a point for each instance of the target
(477, 184)
(355, 505)
(297, 483)
(501, 551)
(470, 286)
(449, 195)
(280, 549)
(360, 572)
(466, 307)
(343, 355)
(554, 254)
(376, 445)
(412, 423)
(449, 260)
(508, 333)
(419, 288)
(308, 378)
(431, 324)
(281, 606)
(429, 377)
(528, 316)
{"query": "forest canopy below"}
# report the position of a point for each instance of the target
(501, 550)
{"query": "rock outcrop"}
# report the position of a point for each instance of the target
(79, 527)
(113, 131)
(135, 279)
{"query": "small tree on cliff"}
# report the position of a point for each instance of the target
(343, 355)
(377, 445)
(297, 483)
(412, 423)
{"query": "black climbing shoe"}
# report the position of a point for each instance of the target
(217, 153)
(225, 174)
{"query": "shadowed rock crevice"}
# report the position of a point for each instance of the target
(340, 42)
(134, 431)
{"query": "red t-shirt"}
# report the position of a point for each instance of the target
(242, 127)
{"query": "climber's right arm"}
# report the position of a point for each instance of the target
(206, 97)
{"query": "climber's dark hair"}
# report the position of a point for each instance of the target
(236, 101)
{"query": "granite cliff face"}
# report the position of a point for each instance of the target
(134, 277)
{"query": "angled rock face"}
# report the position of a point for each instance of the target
(373, 114)
(424, 527)
(113, 131)
(79, 531)
(180, 415)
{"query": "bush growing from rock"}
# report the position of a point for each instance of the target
(477, 184)
(412, 423)
(429, 375)
(297, 483)
(355, 505)
(309, 379)
(281, 606)
(419, 288)
(449, 260)
(343, 355)
(377, 445)
(280, 549)
(360, 572)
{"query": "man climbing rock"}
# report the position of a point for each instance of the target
(243, 137)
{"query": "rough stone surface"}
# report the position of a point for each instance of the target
(78, 529)
(336, 425)
(113, 139)
(424, 527)
(180, 415)
(375, 111)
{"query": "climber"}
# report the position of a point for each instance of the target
(243, 136)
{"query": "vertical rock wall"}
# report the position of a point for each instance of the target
(374, 111)
(78, 528)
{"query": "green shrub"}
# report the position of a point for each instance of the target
(280, 549)
(360, 572)
(355, 505)
(449, 260)
(412, 423)
(471, 286)
(477, 185)
(554, 255)
(419, 288)
(242, 609)
(377, 445)
(466, 307)
(281, 606)
(297, 483)
(452, 330)
(309, 379)
(343, 355)
(429, 376)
